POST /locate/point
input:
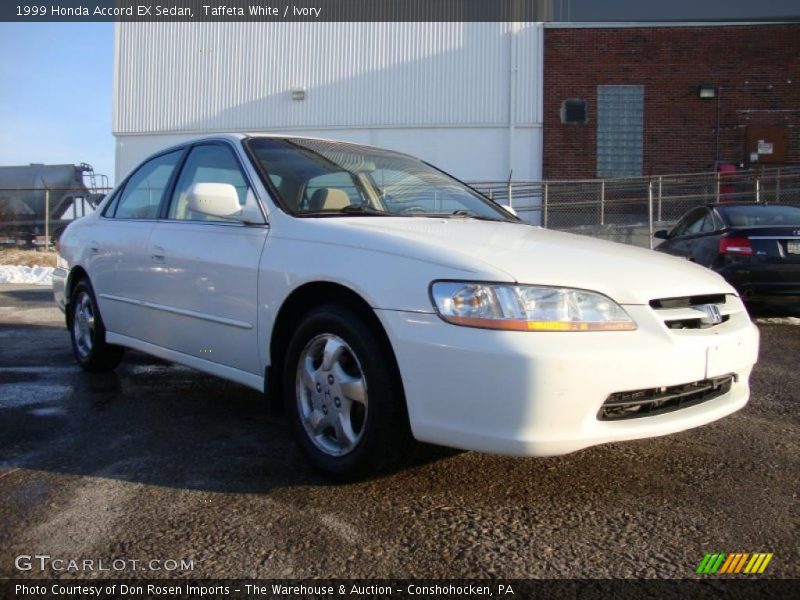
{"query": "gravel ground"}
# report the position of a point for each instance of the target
(160, 462)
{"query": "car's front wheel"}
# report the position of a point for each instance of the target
(346, 407)
(88, 333)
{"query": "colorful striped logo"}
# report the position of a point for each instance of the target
(737, 562)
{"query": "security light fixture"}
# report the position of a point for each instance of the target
(706, 90)
(298, 93)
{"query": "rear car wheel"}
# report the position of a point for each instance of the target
(347, 412)
(88, 333)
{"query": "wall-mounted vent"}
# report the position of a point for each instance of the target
(574, 111)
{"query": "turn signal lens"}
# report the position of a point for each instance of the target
(527, 307)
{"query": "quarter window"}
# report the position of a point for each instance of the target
(144, 190)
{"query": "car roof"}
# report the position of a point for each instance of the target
(730, 204)
(238, 137)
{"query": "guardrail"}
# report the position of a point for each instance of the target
(630, 209)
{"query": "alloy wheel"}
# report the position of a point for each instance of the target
(331, 394)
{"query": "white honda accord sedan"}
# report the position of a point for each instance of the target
(378, 300)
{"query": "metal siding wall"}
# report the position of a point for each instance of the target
(193, 77)
(529, 74)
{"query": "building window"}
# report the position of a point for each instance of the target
(574, 112)
(620, 130)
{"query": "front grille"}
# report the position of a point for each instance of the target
(696, 312)
(687, 301)
(655, 401)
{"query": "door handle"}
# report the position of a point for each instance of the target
(158, 255)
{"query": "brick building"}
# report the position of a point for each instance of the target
(624, 100)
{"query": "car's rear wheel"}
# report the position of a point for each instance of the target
(88, 333)
(347, 412)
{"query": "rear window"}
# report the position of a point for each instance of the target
(751, 216)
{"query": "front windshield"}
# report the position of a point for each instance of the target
(320, 178)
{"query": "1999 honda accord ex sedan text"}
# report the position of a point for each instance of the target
(381, 300)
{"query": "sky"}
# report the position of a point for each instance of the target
(56, 79)
(643, 10)
(55, 94)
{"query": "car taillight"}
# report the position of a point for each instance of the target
(735, 245)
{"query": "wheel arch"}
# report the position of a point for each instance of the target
(297, 304)
(75, 275)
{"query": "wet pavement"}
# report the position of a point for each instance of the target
(157, 462)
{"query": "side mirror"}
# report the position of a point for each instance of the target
(509, 209)
(215, 200)
(661, 234)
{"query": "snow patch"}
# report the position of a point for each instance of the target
(779, 321)
(31, 275)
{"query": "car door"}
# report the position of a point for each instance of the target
(118, 244)
(202, 275)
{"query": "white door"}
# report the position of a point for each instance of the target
(119, 245)
(202, 280)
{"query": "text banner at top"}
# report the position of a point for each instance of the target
(276, 10)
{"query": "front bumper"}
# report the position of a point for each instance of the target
(539, 394)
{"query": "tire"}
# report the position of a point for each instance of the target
(342, 397)
(88, 334)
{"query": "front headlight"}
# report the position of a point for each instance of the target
(527, 307)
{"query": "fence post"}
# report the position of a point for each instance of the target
(758, 190)
(544, 202)
(603, 202)
(659, 199)
(717, 193)
(650, 211)
(47, 219)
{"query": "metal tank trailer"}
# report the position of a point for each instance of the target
(38, 201)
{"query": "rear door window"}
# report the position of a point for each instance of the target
(142, 195)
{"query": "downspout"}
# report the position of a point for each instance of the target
(512, 94)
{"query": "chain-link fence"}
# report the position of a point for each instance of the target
(629, 210)
(626, 210)
(34, 217)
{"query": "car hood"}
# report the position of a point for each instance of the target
(530, 255)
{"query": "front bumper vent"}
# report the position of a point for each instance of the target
(656, 401)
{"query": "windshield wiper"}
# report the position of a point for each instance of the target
(357, 210)
(464, 214)
(362, 209)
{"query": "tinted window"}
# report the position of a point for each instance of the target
(691, 223)
(210, 164)
(749, 216)
(144, 190)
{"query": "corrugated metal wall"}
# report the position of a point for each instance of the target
(194, 77)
